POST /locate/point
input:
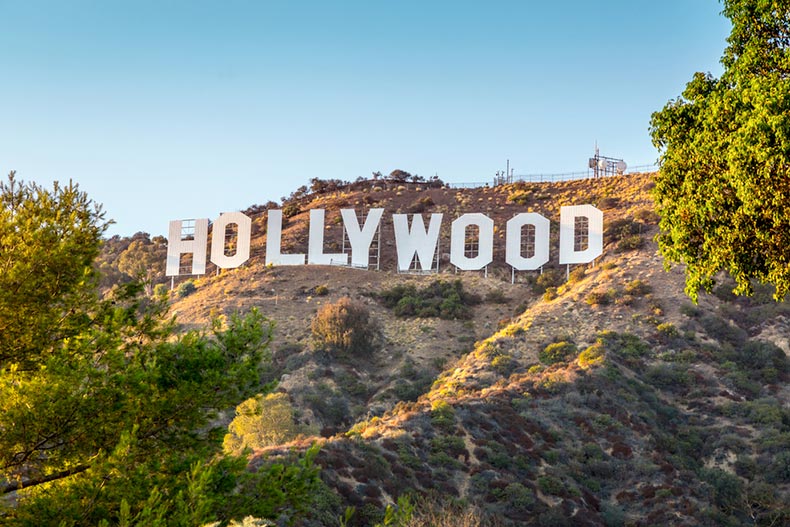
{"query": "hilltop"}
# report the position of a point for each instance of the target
(600, 397)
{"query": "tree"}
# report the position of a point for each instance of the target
(99, 398)
(262, 421)
(723, 189)
(345, 326)
(48, 242)
(144, 260)
(400, 176)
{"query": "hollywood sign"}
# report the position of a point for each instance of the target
(410, 240)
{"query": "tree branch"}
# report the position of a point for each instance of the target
(17, 485)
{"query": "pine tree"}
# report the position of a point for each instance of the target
(104, 410)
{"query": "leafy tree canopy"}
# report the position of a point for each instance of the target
(106, 414)
(262, 421)
(48, 241)
(723, 190)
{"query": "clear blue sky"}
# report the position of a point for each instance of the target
(180, 109)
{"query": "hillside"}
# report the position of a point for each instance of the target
(604, 399)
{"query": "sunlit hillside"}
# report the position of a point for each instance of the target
(593, 395)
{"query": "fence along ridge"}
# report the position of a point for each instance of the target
(550, 178)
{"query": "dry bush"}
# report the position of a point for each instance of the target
(432, 513)
(345, 326)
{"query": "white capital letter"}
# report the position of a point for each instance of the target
(568, 252)
(360, 239)
(416, 240)
(315, 247)
(485, 252)
(274, 232)
(243, 233)
(176, 246)
(513, 238)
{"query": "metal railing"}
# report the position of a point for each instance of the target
(551, 178)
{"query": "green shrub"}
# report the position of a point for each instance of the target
(290, 210)
(549, 278)
(779, 470)
(760, 360)
(520, 499)
(668, 376)
(442, 414)
(329, 405)
(600, 297)
(550, 294)
(186, 288)
(411, 391)
(626, 233)
(577, 274)
(608, 202)
(321, 290)
(593, 355)
(766, 412)
(554, 517)
(622, 228)
(612, 515)
(626, 345)
(637, 288)
(447, 300)
(451, 445)
(496, 296)
(557, 352)
(647, 216)
(160, 290)
(551, 485)
(726, 488)
(667, 332)
(552, 457)
(690, 311)
(503, 364)
(291, 485)
(520, 197)
(350, 384)
(421, 205)
(724, 291)
(630, 243)
(719, 329)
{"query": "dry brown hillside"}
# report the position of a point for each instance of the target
(606, 398)
(288, 294)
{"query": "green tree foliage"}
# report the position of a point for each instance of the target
(103, 408)
(261, 421)
(144, 260)
(401, 176)
(284, 490)
(136, 258)
(48, 241)
(723, 191)
(345, 326)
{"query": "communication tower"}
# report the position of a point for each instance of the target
(603, 166)
(504, 177)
